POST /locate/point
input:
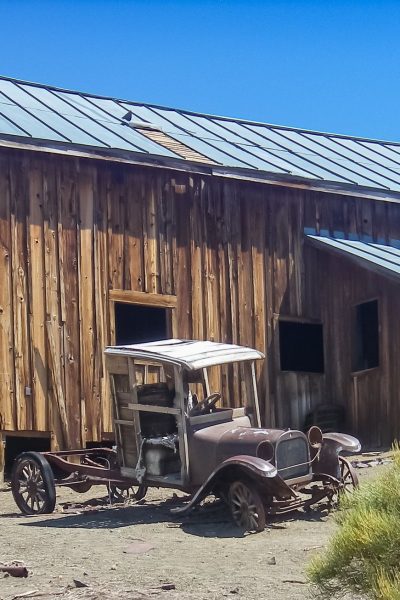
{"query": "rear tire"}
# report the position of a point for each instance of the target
(246, 505)
(32, 484)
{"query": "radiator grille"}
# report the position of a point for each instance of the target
(291, 454)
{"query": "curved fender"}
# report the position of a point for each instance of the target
(344, 442)
(254, 465)
(332, 445)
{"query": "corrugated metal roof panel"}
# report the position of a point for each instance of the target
(282, 160)
(113, 132)
(369, 157)
(43, 105)
(243, 148)
(7, 127)
(324, 150)
(38, 113)
(29, 123)
(319, 164)
(378, 257)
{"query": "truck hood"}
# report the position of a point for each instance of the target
(224, 440)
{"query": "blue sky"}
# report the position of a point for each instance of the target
(329, 66)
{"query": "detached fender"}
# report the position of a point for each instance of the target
(343, 442)
(252, 466)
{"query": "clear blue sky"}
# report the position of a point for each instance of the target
(324, 65)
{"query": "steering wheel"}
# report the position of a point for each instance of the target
(205, 406)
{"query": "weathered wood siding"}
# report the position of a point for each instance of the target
(233, 253)
(371, 397)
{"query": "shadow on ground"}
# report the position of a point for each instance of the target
(211, 520)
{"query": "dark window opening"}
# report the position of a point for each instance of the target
(135, 324)
(301, 347)
(365, 336)
(17, 444)
(101, 444)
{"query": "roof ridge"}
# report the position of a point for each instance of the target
(200, 114)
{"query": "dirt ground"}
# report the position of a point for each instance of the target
(133, 552)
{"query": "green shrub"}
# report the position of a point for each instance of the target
(363, 557)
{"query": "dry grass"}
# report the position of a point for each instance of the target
(363, 557)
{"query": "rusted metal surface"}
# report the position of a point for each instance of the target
(14, 569)
(94, 472)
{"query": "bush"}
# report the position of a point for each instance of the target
(363, 557)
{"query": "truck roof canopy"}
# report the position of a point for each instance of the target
(190, 354)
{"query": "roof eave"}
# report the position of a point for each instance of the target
(357, 260)
(151, 160)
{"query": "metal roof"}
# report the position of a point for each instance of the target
(190, 354)
(48, 116)
(380, 258)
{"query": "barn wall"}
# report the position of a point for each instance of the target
(70, 232)
(334, 286)
(231, 252)
(371, 397)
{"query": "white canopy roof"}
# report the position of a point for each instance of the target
(190, 354)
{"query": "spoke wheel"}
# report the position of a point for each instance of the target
(32, 484)
(121, 493)
(348, 475)
(246, 506)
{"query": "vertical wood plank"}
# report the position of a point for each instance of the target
(211, 292)
(232, 221)
(245, 273)
(68, 257)
(153, 192)
(197, 293)
(116, 227)
(102, 302)
(182, 266)
(89, 400)
(63, 426)
(134, 260)
(38, 298)
(19, 208)
(7, 394)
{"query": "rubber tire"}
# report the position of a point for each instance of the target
(48, 480)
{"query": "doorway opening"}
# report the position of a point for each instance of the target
(135, 324)
(17, 444)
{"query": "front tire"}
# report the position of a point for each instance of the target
(246, 506)
(32, 484)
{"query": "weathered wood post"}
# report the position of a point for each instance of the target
(2, 458)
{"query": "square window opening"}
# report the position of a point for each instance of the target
(301, 346)
(135, 324)
(365, 340)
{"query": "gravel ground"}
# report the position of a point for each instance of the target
(136, 551)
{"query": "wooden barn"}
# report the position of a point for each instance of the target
(122, 222)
